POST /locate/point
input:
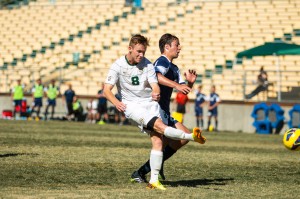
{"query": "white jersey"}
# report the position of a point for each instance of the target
(132, 81)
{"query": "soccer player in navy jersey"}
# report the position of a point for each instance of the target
(169, 77)
(199, 103)
(214, 101)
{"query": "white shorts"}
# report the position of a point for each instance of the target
(142, 113)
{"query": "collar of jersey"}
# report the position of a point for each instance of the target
(166, 58)
(128, 62)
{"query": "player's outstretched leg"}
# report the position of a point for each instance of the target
(138, 177)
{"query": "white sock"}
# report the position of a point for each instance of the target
(156, 158)
(177, 134)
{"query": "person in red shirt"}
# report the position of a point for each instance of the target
(181, 100)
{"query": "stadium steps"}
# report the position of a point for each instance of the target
(70, 38)
(74, 65)
(292, 95)
(144, 30)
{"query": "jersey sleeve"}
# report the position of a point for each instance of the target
(151, 75)
(161, 66)
(218, 99)
(180, 79)
(113, 74)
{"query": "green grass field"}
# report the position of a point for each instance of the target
(78, 160)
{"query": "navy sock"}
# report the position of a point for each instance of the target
(197, 122)
(201, 122)
(208, 124)
(167, 153)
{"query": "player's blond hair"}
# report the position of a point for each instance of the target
(139, 39)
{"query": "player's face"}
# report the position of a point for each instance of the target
(174, 49)
(213, 89)
(137, 53)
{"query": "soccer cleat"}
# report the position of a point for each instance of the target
(136, 177)
(156, 185)
(197, 135)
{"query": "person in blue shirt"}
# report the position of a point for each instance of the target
(214, 101)
(169, 78)
(199, 103)
(68, 97)
(102, 106)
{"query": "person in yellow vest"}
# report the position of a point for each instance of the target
(77, 109)
(17, 97)
(52, 91)
(37, 94)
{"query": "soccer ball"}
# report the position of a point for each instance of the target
(291, 139)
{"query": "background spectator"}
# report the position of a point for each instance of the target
(77, 109)
(92, 112)
(37, 95)
(214, 101)
(52, 91)
(199, 103)
(181, 100)
(102, 106)
(68, 99)
(262, 80)
(17, 97)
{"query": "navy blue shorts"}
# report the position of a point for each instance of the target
(213, 112)
(38, 101)
(168, 119)
(199, 111)
(18, 103)
(51, 102)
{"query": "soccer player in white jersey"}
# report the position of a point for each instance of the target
(136, 81)
(169, 77)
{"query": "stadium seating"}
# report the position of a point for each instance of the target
(44, 38)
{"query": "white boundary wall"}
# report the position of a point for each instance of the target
(232, 116)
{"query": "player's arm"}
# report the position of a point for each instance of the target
(155, 91)
(215, 105)
(111, 97)
(167, 82)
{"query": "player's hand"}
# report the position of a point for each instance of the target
(183, 88)
(210, 108)
(156, 97)
(121, 106)
(190, 76)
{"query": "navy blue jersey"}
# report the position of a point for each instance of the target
(200, 99)
(213, 98)
(69, 94)
(170, 71)
(102, 100)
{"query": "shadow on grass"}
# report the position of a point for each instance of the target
(16, 154)
(201, 182)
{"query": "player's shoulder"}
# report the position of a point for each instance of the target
(162, 61)
(145, 62)
(121, 60)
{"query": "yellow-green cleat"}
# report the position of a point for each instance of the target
(156, 185)
(197, 135)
